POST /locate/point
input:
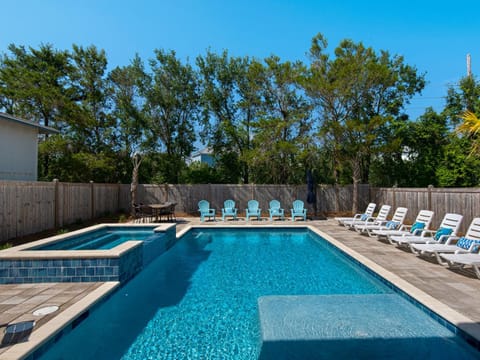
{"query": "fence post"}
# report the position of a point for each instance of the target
(429, 197)
(92, 201)
(56, 219)
(394, 197)
(119, 192)
(166, 188)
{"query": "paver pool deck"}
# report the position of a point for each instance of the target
(458, 290)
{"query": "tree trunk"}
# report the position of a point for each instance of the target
(136, 160)
(356, 177)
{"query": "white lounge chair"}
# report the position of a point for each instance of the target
(448, 227)
(462, 260)
(453, 245)
(423, 221)
(381, 216)
(368, 212)
(393, 224)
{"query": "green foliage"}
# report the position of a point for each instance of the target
(268, 121)
(170, 111)
(357, 93)
(231, 103)
(199, 173)
(458, 169)
(5, 246)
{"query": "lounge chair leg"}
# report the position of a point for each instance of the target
(414, 250)
(477, 270)
(440, 260)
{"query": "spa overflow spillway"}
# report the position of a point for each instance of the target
(222, 293)
(105, 252)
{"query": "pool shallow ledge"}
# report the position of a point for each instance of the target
(23, 264)
(301, 327)
(450, 318)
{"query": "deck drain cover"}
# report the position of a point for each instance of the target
(45, 310)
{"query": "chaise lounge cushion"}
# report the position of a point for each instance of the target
(441, 232)
(417, 226)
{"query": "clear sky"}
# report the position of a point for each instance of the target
(433, 36)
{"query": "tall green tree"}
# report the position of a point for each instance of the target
(231, 102)
(283, 134)
(35, 84)
(131, 127)
(357, 93)
(465, 96)
(171, 110)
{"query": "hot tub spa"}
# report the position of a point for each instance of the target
(106, 252)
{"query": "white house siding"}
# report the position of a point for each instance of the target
(18, 151)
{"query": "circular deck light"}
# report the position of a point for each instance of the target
(45, 310)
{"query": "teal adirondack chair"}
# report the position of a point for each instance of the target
(298, 210)
(229, 209)
(276, 210)
(253, 210)
(205, 211)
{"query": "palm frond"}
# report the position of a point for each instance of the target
(471, 123)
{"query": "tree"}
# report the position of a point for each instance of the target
(458, 167)
(357, 93)
(35, 85)
(230, 99)
(284, 129)
(171, 110)
(130, 126)
(461, 98)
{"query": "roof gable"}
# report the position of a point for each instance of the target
(41, 129)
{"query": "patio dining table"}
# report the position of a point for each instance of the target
(166, 209)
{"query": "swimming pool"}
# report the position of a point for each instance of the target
(199, 300)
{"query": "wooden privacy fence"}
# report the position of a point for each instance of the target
(188, 196)
(464, 201)
(31, 207)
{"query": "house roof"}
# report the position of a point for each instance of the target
(205, 151)
(41, 129)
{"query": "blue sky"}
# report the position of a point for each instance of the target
(433, 36)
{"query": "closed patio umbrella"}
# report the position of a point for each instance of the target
(311, 195)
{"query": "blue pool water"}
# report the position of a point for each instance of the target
(199, 299)
(101, 239)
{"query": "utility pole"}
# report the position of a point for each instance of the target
(469, 66)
